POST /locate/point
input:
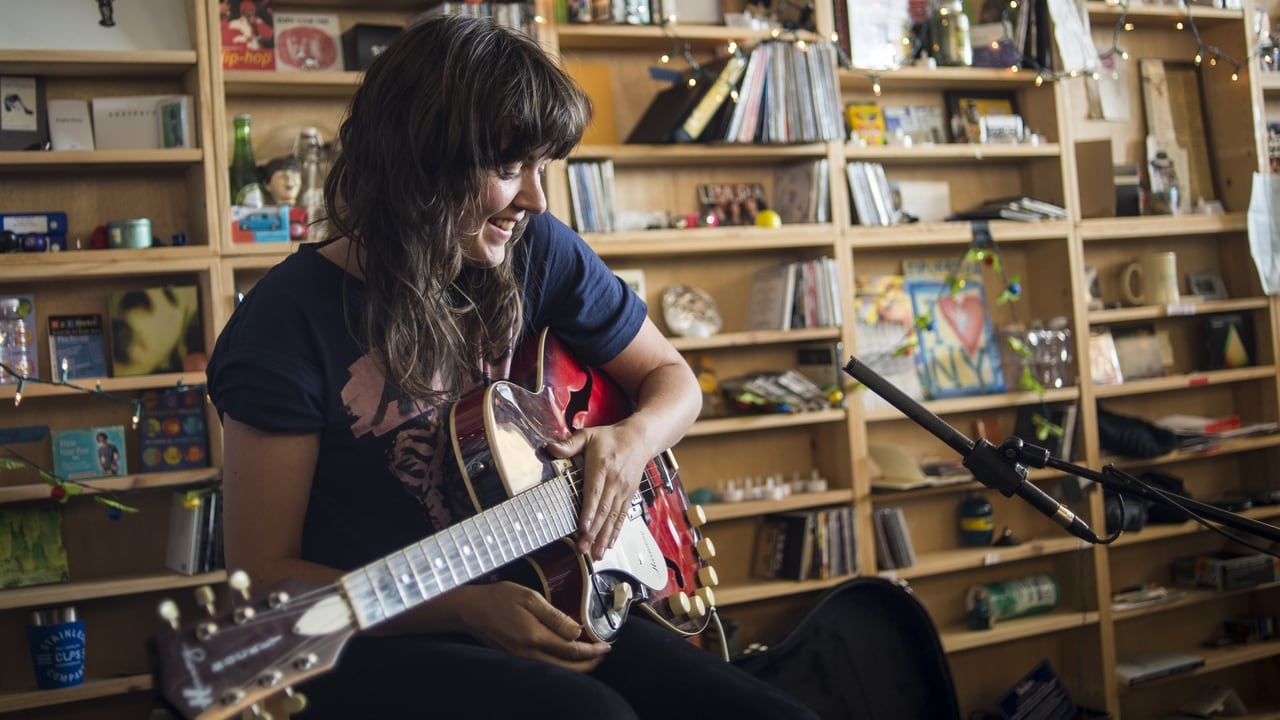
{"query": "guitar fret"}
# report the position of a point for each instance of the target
(503, 548)
(363, 599)
(548, 525)
(486, 560)
(466, 552)
(433, 561)
(404, 578)
(450, 557)
(388, 590)
(416, 559)
(524, 526)
(568, 508)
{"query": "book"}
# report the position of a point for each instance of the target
(174, 116)
(86, 453)
(695, 124)
(154, 329)
(959, 355)
(31, 540)
(183, 551)
(669, 109)
(247, 36)
(772, 295)
(914, 124)
(69, 126)
(133, 122)
(1142, 667)
(77, 346)
(885, 331)
(171, 431)
(802, 191)
(307, 42)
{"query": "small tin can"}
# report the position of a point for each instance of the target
(134, 233)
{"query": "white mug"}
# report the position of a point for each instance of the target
(1156, 276)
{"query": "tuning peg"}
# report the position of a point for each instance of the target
(707, 596)
(277, 599)
(205, 599)
(294, 702)
(679, 604)
(168, 611)
(238, 580)
(707, 576)
(206, 630)
(698, 607)
(696, 516)
(706, 549)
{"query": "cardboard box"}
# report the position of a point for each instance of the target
(1225, 571)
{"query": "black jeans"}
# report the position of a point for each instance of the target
(650, 673)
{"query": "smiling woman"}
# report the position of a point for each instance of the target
(340, 376)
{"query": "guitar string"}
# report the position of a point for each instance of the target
(574, 479)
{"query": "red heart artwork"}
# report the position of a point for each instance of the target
(965, 316)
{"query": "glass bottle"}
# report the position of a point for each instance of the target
(246, 184)
(309, 151)
(15, 342)
(949, 34)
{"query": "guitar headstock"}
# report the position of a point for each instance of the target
(219, 665)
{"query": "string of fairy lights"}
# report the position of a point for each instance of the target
(62, 488)
(1203, 51)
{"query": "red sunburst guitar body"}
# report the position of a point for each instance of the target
(659, 555)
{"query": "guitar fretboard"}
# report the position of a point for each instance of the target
(461, 553)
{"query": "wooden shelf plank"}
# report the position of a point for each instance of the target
(1215, 659)
(865, 237)
(100, 159)
(707, 241)
(959, 639)
(1160, 226)
(768, 589)
(948, 561)
(255, 83)
(97, 63)
(1182, 382)
(1237, 445)
(753, 423)
(136, 481)
(1205, 16)
(979, 403)
(951, 152)
(109, 385)
(89, 690)
(1153, 312)
(60, 593)
(35, 267)
(753, 508)
(755, 337)
(1270, 81)
(942, 78)
(1191, 599)
(1152, 532)
(574, 36)
(685, 154)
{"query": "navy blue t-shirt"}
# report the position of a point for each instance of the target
(286, 363)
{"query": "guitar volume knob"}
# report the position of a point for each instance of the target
(706, 595)
(699, 608)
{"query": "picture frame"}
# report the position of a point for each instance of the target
(1207, 285)
(634, 278)
(966, 108)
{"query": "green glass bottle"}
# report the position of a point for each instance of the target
(246, 184)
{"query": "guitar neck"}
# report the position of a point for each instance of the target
(461, 553)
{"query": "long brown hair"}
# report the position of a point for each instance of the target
(450, 101)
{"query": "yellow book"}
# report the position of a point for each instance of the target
(866, 120)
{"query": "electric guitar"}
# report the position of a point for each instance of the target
(526, 507)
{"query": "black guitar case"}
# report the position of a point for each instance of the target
(866, 650)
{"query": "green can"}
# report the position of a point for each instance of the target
(1015, 598)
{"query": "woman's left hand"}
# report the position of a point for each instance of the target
(614, 464)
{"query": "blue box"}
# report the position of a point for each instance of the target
(52, 224)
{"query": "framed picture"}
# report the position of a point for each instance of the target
(965, 110)
(1207, 285)
(634, 278)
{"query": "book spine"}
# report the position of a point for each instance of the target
(693, 126)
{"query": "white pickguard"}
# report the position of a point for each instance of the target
(636, 553)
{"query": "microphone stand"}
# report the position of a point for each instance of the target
(1003, 468)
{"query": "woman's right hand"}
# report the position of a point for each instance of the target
(512, 617)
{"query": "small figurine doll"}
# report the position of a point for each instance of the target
(284, 182)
